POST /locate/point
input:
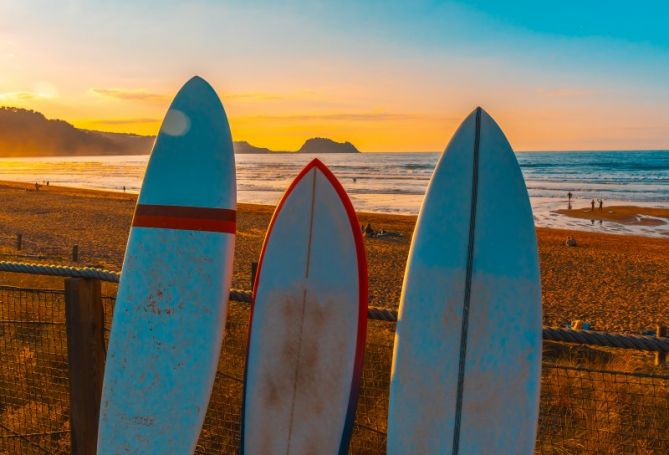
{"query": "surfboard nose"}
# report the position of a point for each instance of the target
(193, 153)
(197, 98)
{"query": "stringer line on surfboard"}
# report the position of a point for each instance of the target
(468, 286)
(304, 304)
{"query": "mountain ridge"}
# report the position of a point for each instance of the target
(28, 133)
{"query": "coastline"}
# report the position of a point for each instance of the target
(396, 182)
(614, 282)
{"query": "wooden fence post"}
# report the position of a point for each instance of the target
(84, 316)
(254, 271)
(75, 253)
(19, 241)
(660, 357)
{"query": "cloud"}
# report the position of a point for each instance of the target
(252, 96)
(124, 121)
(564, 92)
(17, 96)
(150, 97)
(41, 90)
(342, 116)
(131, 94)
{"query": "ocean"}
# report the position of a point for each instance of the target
(396, 182)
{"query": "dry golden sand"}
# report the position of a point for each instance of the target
(614, 282)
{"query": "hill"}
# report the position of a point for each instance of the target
(25, 133)
(244, 147)
(28, 133)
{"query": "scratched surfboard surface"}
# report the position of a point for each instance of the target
(308, 323)
(171, 305)
(466, 365)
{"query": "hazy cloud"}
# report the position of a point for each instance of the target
(124, 121)
(564, 92)
(343, 116)
(131, 94)
(252, 96)
(17, 96)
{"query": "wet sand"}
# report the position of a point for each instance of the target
(613, 282)
(624, 214)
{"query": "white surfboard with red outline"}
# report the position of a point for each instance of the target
(172, 298)
(308, 323)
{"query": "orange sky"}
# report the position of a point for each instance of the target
(385, 83)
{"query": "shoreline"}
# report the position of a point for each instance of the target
(655, 223)
(614, 282)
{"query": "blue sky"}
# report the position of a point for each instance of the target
(386, 75)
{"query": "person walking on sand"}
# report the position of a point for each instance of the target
(592, 205)
(601, 205)
(569, 195)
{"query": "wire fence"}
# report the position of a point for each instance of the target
(585, 407)
(34, 389)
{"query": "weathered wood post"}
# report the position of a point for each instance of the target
(254, 271)
(19, 241)
(84, 317)
(75, 253)
(660, 357)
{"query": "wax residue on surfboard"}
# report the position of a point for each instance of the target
(308, 323)
(466, 364)
(172, 300)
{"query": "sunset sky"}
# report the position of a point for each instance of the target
(385, 75)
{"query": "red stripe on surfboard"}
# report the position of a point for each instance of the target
(185, 218)
(362, 295)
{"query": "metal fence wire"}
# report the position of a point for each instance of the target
(34, 389)
(583, 409)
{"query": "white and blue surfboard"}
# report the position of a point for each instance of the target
(172, 299)
(466, 364)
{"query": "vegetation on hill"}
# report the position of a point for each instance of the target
(25, 132)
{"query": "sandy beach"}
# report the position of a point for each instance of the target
(613, 282)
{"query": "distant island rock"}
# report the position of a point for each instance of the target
(316, 145)
(26, 133)
(324, 145)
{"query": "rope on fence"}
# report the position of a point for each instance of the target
(612, 340)
(60, 270)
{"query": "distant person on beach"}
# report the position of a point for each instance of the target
(355, 179)
(592, 205)
(124, 188)
(36, 186)
(569, 195)
(47, 183)
(601, 205)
